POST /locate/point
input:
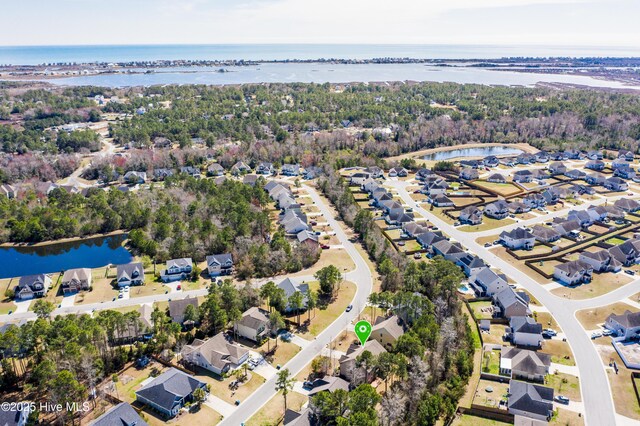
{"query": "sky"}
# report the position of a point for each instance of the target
(503, 22)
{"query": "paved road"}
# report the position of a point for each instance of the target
(596, 393)
(361, 276)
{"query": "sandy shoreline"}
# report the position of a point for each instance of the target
(63, 240)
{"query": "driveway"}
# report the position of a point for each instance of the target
(219, 405)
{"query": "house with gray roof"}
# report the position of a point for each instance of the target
(427, 239)
(131, 274)
(518, 238)
(557, 168)
(616, 184)
(488, 282)
(524, 331)
(32, 286)
(254, 324)
(302, 418)
(290, 286)
(178, 307)
(524, 364)
(497, 210)
(530, 400)
(469, 173)
(215, 354)
(412, 229)
(387, 330)
(215, 169)
(626, 326)
(573, 272)
(8, 191)
(328, 384)
(177, 269)
(450, 251)
(509, 303)
(596, 165)
(600, 261)
(291, 169)
(471, 264)
(122, 414)
(523, 176)
(441, 200)
(219, 264)
(544, 234)
(497, 178)
(627, 205)
(169, 392)
(567, 227)
(471, 215)
(348, 364)
(75, 280)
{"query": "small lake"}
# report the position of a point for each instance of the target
(472, 152)
(90, 253)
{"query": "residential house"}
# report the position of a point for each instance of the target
(422, 173)
(626, 155)
(595, 179)
(572, 154)
(177, 269)
(240, 168)
(32, 286)
(524, 364)
(517, 207)
(523, 176)
(178, 307)
(530, 400)
(616, 184)
(134, 177)
(471, 264)
(469, 174)
(497, 210)
(162, 174)
(595, 155)
(215, 169)
(265, 168)
(398, 172)
(471, 215)
(488, 283)
(619, 163)
(544, 234)
(191, 171)
(581, 216)
(386, 331)
(557, 168)
(294, 222)
(291, 169)
(525, 158)
(75, 280)
(216, 354)
(541, 157)
(626, 326)
(508, 161)
(169, 392)
(122, 414)
(302, 418)
(436, 188)
(575, 174)
(474, 164)
(497, 178)
(308, 238)
(428, 239)
(441, 200)
(596, 165)
(219, 264)
(452, 252)
(412, 229)
(491, 161)
(550, 197)
(290, 286)
(328, 384)
(349, 368)
(600, 261)
(254, 324)
(8, 191)
(566, 227)
(624, 172)
(509, 303)
(250, 180)
(626, 253)
(518, 238)
(375, 172)
(534, 200)
(627, 205)
(525, 331)
(16, 414)
(130, 274)
(573, 272)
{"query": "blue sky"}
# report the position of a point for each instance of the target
(545, 22)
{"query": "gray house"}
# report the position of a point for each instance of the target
(219, 264)
(32, 286)
(169, 392)
(130, 274)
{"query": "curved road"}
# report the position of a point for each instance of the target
(594, 383)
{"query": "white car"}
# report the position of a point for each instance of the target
(596, 334)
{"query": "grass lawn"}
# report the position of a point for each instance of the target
(546, 319)
(494, 336)
(490, 393)
(615, 241)
(129, 381)
(624, 396)
(409, 246)
(504, 189)
(564, 384)
(469, 420)
(592, 319)
(491, 362)
(220, 387)
(487, 224)
(566, 418)
(560, 352)
(322, 318)
(539, 249)
(336, 257)
(285, 351)
(273, 412)
(501, 252)
(465, 201)
(487, 239)
(599, 285)
(481, 309)
(393, 234)
(205, 415)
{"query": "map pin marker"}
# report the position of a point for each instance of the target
(363, 331)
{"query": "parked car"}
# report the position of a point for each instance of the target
(349, 308)
(487, 244)
(596, 334)
(324, 247)
(607, 332)
(629, 272)
(551, 331)
(417, 256)
(562, 399)
(307, 384)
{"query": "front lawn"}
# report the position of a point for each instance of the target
(593, 318)
(321, 318)
(564, 384)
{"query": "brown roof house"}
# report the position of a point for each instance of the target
(75, 280)
(215, 354)
(349, 368)
(387, 331)
(178, 307)
(254, 324)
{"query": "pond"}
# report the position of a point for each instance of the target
(89, 253)
(482, 151)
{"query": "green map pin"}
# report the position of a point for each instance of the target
(363, 331)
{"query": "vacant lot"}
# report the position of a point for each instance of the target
(599, 285)
(220, 387)
(565, 384)
(504, 189)
(560, 351)
(321, 318)
(487, 224)
(273, 412)
(592, 319)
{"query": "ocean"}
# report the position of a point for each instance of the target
(35, 55)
